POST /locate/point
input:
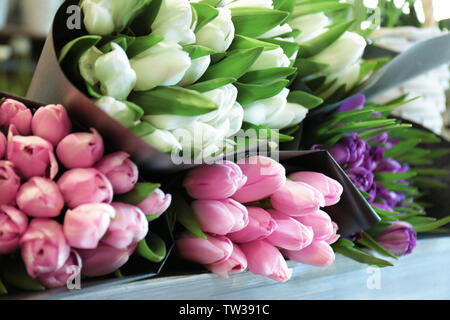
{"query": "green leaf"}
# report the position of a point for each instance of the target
(142, 129)
(142, 24)
(361, 126)
(401, 148)
(233, 66)
(307, 67)
(373, 133)
(205, 13)
(371, 243)
(288, 47)
(253, 22)
(269, 134)
(382, 212)
(210, 85)
(415, 134)
(267, 75)
(426, 171)
(388, 176)
(151, 217)
(428, 183)
(185, 215)
(93, 91)
(284, 5)
(362, 256)
(153, 248)
(432, 226)
(141, 44)
(140, 192)
(249, 93)
(344, 243)
(196, 51)
(305, 99)
(311, 7)
(318, 44)
(172, 100)
(372, 65)
(212, 3)
(3, 290)
(15, 274)
(241, 42)
(138, 112)
(437, 153)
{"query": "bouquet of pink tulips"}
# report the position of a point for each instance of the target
(67, 206)
(251, 216)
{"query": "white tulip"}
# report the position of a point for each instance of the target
(163, 140)
(343, 53)
(169, 122)
(218, 34)
(247, 3)
(114, 73)
(311, 26)
(224, 97)
(276, 32)
(164, 64)
(196, 70)
(231, 122)
(117, 110)
(199, 138)
(275, 112)
(348, 77)
(87, 65)
(271, 59)
(174, 22)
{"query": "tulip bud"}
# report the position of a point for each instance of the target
(214, 182)
(361, 178)
(51, 123)
(290, 234)
(297, 199)
(9, 183)
(81, 186)
(32, 156)
(333, 236)
(80, 150)
(259, 227)
(236, 263)
(264, 177)
(117, 110)
(318, 253)
(213, 249)
(330, 188)
(156, 203)
(321, 224)
(44, 247)
(13, 224)
(85, 225)
(2, 145)
(40, 198)
(312, 26)
(265, 260)
(349, 150)
(15, 113)
(59, 278)
(355, 102)
(218, 34)
(104, 259)
(220, 216)
(120, 171)
(271, 59)
(128, 227)
(168, 63)
(196, 70)
(399, 238)
(163, 140)
(174, 22)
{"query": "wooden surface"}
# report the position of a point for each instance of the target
(422, 275)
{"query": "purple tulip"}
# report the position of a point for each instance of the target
(15, 113)
(349, 150)
(156, 203)
(361, 178)
(355, 102)
(9, 183)
(51, 123)
(383, 206)
(373, 156)
(70, 269)
(391, 198)
(13, 224)
(388, 165)
(399, 238)
(2, 145)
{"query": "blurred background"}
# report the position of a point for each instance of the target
(24, 25)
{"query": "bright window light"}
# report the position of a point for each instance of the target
(441, 9)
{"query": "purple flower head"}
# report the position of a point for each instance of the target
(392, 199)
(373, 156)
(381, 139)
(317, 147)
(399, 238)
(354, 237)
(389, 165)
(383, 206)
(355, 102)
(361, 178)
(349, 150)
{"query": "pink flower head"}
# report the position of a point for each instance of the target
(59, 278)
(321, 224)
(120, 171)
(260, 226)
(51, 123)
(15, 113)
(13, 224)
(318, 253)
(156, 203)
(2, 145)
(9, 183)
(236, 263)
(213, 249)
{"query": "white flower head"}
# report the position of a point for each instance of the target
(218, 34)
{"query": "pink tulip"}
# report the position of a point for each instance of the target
(51, 123)
(260, 226)
(9, 183)
(40, 198)
(236, 263)
(128, 227)
(15, 113)
(80, 150)
(104, 259)
(297, 199)
(44, 247)
(214, 182)
(213, 249)
(59, 278)
(290, 234)
(318, 253)
(334, 236)
(85, 225)
(156, 203)
(265, 260)
(330, 188)
(13, 224)
(265, 176)
(32, 156)
(2, 145)
(120, 171)
(220, 216)
(81, 186)
(321, 224)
